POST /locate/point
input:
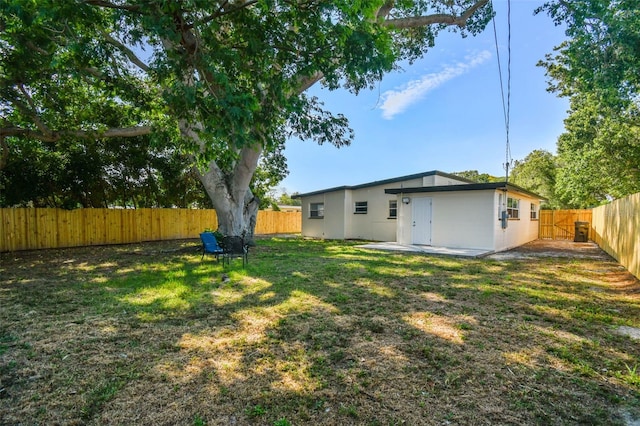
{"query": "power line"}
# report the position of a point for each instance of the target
(506, 104)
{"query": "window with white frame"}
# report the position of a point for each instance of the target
(534, 211)
(513, 208)
(316, 210)
(393, 209)
(360, 207)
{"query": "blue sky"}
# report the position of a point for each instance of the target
(444, 112)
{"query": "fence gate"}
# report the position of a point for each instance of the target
(560, 224)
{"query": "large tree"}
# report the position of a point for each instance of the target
(597, 69)
(601, 55)
(598, 154)
(225, 80)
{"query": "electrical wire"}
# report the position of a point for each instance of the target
(506, 104)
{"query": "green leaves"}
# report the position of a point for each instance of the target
(215, 78)
(597, 161)
(537, 173)
(233, 69)
(602, 53)
(599, 154)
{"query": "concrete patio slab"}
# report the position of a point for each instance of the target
(447, 251)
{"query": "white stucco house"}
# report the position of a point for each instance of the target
(431, 208)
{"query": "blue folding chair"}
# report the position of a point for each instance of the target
(210, 245)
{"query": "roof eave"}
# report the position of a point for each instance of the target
(492, 186)
(384, 182)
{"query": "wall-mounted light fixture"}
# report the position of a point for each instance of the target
(406, 200)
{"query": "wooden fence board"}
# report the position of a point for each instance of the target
(26, 229)
(144, 225)
(34, 233)
(10, 226)
(130, 227)
(617, 231)
(4, 238)
(67, 237)
(560, 224)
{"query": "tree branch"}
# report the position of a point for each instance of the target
(5, 152)
(246, 166)
(384, 10)
(306, 82)
(109, 5)
(221, 12)
(54, 136)
(128, 52)
(31, 110)
(438, 18)
(213, 177)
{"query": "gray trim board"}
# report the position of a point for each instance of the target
(464, 187)
(385, 182)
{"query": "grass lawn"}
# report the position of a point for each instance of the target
(313, 332)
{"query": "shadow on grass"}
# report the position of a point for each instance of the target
(312, 332)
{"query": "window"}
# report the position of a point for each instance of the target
(513, 208)
(393, 209)
(361, 207)
(534, 211)
(316, 210)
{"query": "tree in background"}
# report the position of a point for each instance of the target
(115, 172)
(224, 81)
(537, 173)
(597, 69)
(98, 173)
(286, 199)
(478, 177)
(598, 155)
(271, 171)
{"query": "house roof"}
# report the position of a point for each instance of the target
(465, 187)
(387, 182)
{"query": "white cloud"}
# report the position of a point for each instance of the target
(396, 101)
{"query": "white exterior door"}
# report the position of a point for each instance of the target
(421, 221)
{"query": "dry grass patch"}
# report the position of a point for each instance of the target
(313, 333)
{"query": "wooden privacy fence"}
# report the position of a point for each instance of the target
(560, 224)
(27, 229)
(616, 229)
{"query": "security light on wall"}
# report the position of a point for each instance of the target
(406, 200)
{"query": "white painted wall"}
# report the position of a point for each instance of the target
(519, 231)
(332, 226)
(437, 180)
(403, 227)
(470, 219)
(376, 224)
(411, 183)
(340, 221)
(460, 219)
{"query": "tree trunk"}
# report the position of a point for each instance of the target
(251, 205)
(229, 208)
(235, 205)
